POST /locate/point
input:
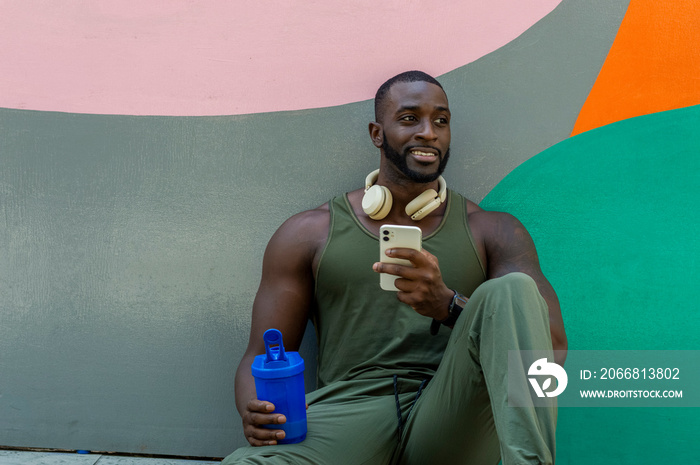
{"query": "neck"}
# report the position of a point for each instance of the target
(403, 194)
(403, 190)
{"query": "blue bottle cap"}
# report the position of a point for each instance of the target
(276, 356)
(276, 362)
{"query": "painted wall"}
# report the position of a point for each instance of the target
(149, 151)
(614, 213)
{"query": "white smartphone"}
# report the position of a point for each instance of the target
(392, 236)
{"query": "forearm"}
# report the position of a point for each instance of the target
(245, 385)
(556, 323)
(559, 342)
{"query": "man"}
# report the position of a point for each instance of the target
(390, 389)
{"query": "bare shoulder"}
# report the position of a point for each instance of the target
(489, 226)
(301, 236)
(504, 240)
(307, 225)
(493, 225)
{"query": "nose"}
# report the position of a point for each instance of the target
(426, 130)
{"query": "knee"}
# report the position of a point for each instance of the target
(517, 278)
(516, 283)
(514, 292)
(519, 282)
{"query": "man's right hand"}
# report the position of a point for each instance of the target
(259, 413)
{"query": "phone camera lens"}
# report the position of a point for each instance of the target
(386, 238)
(386, 233)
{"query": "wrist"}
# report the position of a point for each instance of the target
(445, 305)
(457, 304)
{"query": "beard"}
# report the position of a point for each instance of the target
(399, 160)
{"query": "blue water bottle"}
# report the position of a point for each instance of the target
(279, 378)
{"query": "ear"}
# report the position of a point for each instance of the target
(376, 134)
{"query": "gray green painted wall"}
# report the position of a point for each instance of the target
(130, 247)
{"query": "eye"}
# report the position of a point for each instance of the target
(442, 120)
(408, 118)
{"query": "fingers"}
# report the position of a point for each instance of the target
(266, 419)
(258, 415)
(261, 413)
(262, 436)
(424, 268)
(255, 405)
(414, 256)
(396, 269)
(422, 259)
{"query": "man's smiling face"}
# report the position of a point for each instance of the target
(415, 121)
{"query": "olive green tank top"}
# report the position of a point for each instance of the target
(364, 332)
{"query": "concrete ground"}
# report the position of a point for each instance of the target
(17, 457)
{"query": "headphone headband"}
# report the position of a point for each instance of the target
(371, 179)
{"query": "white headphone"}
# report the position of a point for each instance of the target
(377, 200)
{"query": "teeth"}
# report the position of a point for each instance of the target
(422, 154)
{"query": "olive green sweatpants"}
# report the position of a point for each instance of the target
(461, 416)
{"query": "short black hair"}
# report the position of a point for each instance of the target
(406, 76)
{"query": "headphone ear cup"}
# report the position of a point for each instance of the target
(377, 202)
(425, 199)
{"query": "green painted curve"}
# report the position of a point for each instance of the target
(614, 213)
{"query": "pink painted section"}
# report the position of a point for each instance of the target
(185, 57)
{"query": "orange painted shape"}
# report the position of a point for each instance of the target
(653, 65)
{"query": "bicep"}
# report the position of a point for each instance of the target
(510, 248)
(285, 294)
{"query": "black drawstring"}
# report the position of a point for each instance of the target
(398, 404)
